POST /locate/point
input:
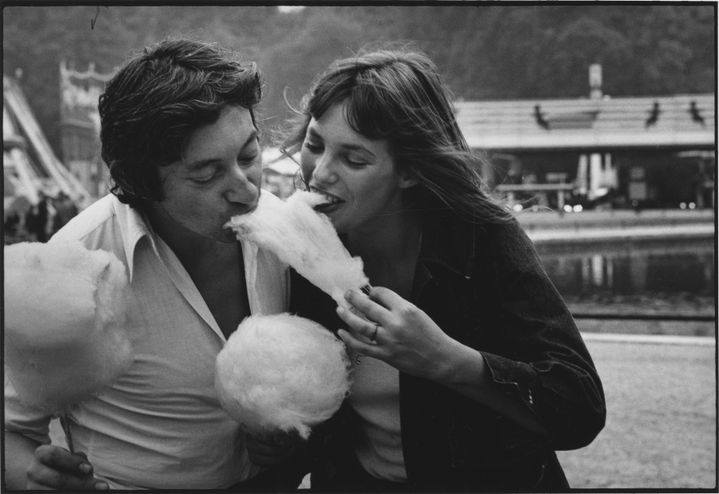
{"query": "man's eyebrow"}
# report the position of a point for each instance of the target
(252, 137)
(197, 165)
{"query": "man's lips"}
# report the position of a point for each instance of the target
(243, 209)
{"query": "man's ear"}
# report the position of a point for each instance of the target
(406, 181)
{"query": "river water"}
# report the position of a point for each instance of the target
(667, 276)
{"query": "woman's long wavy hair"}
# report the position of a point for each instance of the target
(152, 106)
(398, 95)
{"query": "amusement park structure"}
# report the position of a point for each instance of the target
(30, 167)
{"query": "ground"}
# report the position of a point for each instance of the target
(661, 419)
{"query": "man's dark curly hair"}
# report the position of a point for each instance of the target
(154, 103)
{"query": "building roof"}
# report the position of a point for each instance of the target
(679, 121)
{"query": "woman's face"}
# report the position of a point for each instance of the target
(356, 174)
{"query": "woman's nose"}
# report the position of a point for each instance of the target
(324, 169)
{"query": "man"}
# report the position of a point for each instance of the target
(179, 136)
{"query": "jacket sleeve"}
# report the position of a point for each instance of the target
(538, 355)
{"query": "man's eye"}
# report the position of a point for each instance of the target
(203, 179)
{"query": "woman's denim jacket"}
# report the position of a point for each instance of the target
(485, 286)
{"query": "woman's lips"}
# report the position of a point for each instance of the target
(328, 207)
(331, 203)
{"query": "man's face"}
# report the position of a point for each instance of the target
(218, 177)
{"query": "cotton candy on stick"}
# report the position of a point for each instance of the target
(65, 332)
(281, 374)
(306, 240)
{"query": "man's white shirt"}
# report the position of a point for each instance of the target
(160, 424)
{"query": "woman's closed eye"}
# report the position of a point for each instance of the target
(313, 147)
(247, 159)
(355, 162)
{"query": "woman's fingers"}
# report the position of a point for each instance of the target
(358, 346)
(371, 309)
(357, 325)
(386, 297)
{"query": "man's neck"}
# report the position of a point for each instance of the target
(194, 251)
(215, 267)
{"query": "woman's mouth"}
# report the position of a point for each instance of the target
(330, 204)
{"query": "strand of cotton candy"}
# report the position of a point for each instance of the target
(65, 312)
(281, 373)
(304, 239)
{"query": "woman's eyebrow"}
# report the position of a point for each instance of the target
(356, 147)
(347, 146)
(313, 133)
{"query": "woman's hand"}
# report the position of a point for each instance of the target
(397, 332)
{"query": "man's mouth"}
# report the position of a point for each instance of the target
(331, 202)
(242, 209)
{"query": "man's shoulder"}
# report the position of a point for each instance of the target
(93, 218)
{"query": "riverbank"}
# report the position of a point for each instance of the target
(548, 227)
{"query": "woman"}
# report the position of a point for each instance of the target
(468, 369)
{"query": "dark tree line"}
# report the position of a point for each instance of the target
(485, 52)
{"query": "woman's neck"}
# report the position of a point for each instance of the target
(387, 239)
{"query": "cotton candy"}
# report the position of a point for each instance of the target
(306, 240)
(65, 313)
(281, 373)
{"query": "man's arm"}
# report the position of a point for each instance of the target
(19, 453)
(30, 465)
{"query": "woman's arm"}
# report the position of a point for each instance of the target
(409, 340)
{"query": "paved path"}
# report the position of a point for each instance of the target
(661, 418)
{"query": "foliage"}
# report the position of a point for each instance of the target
(484, 51)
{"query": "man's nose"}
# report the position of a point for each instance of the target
(239, 187)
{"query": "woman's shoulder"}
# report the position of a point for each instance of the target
(505, 245)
